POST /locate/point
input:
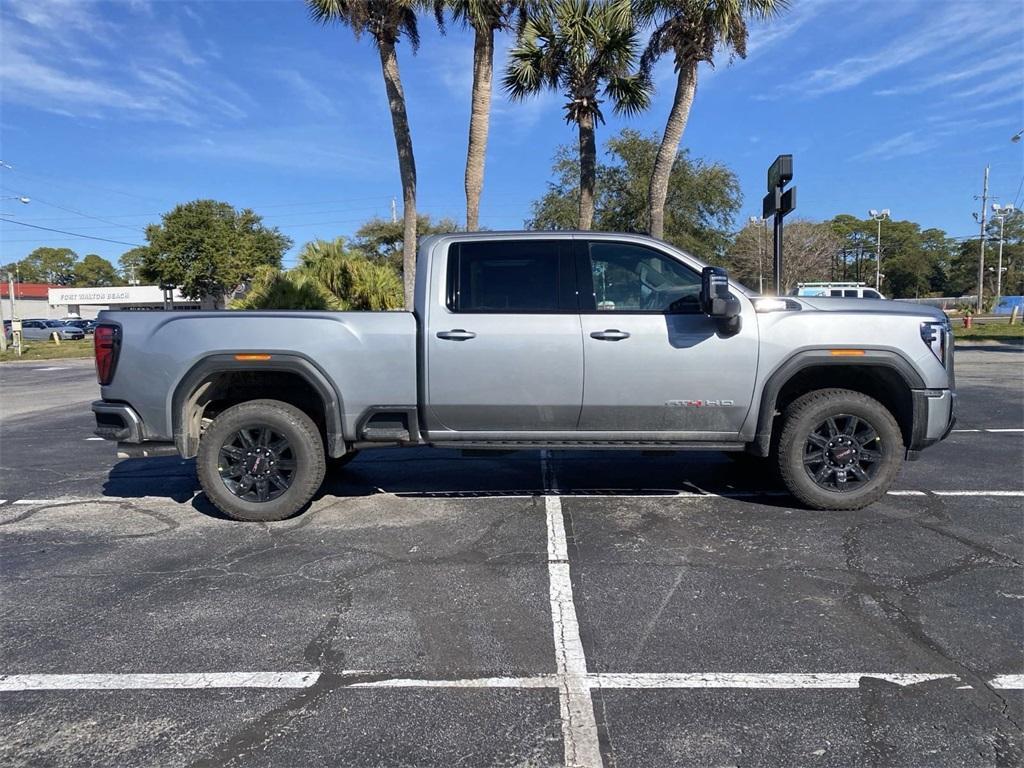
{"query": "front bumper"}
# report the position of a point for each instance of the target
(934, 414)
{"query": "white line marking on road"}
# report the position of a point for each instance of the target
(978, 493)
(776, 680)
(58, 500)
(906, 493)
(579, 726)
(3, 501)
(537, 681)
(1008, 682)
(51, 368)
(114, 682)
(91, 439)
(992, 429)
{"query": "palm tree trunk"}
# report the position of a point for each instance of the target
(686, 86)
(479, 123)
(588, 162)
(406, 164)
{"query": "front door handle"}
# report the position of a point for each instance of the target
(612, 334)
(456, 334)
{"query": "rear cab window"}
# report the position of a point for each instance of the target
(511, 276)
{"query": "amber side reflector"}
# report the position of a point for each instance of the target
(252, 357)
(847, 352)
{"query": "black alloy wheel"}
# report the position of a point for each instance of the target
(257, 463)
(842, 453)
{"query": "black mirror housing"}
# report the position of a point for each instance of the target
(716, 301)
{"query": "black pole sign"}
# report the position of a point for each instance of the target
(777, 203)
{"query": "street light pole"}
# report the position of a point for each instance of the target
(1000, 212)
(761, 237)
(878, 216)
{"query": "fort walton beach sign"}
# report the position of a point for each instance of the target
(111, 296)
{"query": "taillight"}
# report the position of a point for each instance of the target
(107, 340)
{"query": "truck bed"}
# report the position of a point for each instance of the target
(369, 357)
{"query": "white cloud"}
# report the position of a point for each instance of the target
(1009, 57)
(949, 29)
(68, 69)
(903, 145)
(308, 92)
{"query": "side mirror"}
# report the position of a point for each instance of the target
(717, 302)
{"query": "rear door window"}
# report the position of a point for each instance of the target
(850, 293)
(511, 276)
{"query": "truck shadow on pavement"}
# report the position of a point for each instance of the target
(440, 473)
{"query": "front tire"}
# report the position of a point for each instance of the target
(261, 461)
(839, 449)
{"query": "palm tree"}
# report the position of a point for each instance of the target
(386, 21)
(692, 30)
(485, 17)
(581, 47)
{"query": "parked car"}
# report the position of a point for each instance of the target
(87, 326)
(44, 329)
(557, 340)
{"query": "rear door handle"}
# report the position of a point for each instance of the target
(456, 334)
(612, 334)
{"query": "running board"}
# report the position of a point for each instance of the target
(587, 445)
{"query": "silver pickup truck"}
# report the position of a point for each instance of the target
(527, 340)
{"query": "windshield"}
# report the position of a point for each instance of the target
(54, 324)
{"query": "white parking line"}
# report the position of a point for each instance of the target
(1008, 682)
(91, 439)
(610, 680)
(537, 681)
(775, 680)
(579, 727)
(3, 501)
(992, 429)
(978, 493)
(104, 682)
(906, 493)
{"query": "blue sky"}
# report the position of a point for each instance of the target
(112, 112)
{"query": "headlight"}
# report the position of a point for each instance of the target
(936, 336)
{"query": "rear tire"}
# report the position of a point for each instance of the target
(261, 461)
(839, 449)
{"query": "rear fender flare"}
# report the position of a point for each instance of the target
(226, 363)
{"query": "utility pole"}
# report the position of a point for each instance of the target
(981, 259)
(10, 296)
(394, 211)
(878, 216)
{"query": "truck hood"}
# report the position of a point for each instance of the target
(873, 306)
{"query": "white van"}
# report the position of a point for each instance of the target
(847, 290)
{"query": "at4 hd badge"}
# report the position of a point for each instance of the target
(700, 403)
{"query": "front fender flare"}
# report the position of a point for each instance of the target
(809, 358)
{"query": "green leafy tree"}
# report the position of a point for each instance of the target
(130, 265)
(703, 197)
(55, 266)
(273, 289)
(692, 31)
(95, 270)
(581, 48)
(383, 240)
(484, 17)
(329, 276)
(386, 21)
(207, 248)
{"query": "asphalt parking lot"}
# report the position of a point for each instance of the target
(577, 608)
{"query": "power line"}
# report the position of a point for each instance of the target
(85, 215)
(73, 234)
